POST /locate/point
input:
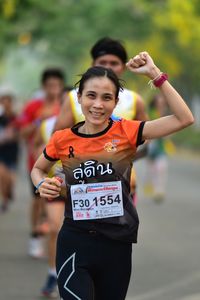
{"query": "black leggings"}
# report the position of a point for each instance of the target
(92, 267)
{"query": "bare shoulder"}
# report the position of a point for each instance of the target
(65, 118)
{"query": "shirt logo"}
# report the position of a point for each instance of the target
(91, 168)
(111, 146)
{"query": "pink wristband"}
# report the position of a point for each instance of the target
(158, 82)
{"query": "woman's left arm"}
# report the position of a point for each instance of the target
(181, 115)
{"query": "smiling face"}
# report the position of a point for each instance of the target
(112, 62)
(98, 99)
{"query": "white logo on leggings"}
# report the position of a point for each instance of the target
(71, 258)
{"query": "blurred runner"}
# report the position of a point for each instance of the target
(9, 146)
(36, 110)
(157, 156)
(54, 209)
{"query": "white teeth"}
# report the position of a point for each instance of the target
(96, 113)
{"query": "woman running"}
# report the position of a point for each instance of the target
(95, 242)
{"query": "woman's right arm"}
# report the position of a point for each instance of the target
(47, 187)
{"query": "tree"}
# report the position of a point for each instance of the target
(63, 31)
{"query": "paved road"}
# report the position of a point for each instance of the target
(166, 260)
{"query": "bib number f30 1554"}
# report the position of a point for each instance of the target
(97, 200)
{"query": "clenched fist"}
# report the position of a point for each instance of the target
(143, 64)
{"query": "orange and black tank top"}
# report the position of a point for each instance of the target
(104, 157)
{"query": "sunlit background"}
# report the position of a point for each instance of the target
(35, 34)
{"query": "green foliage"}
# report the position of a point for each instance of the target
(63, 31)
(188, 138)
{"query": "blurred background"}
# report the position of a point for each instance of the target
(36, 34)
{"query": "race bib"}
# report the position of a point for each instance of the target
(97, 200)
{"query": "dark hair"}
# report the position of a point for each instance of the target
(99, 72)
(52, 72)
(107, 45)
